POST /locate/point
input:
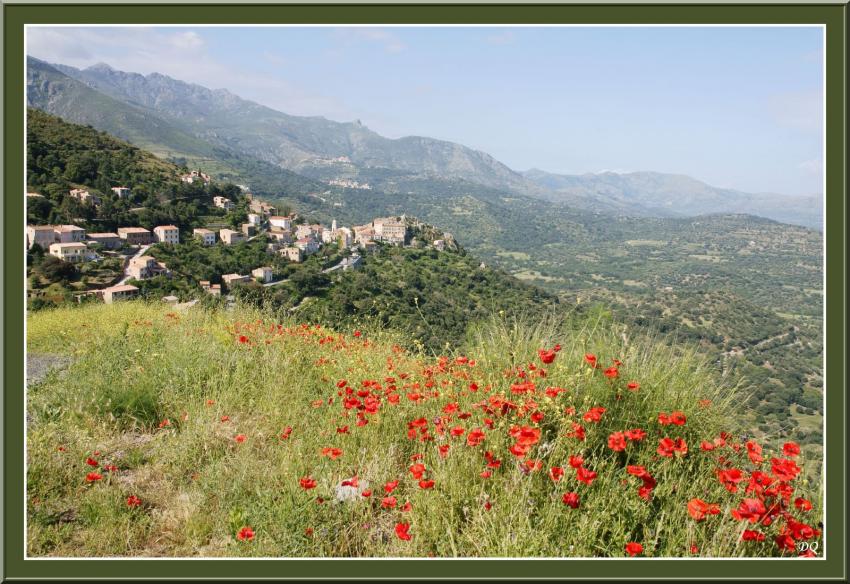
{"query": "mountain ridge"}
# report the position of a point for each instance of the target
(190, 116)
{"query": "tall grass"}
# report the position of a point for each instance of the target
(161, 397)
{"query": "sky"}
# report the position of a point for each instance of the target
(736, 107)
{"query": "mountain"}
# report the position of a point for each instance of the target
(674, 195)
(50, 90)
(185, 119)
(298, 143)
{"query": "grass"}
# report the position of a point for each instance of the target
(160, 398)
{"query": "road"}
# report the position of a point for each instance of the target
(325, 271)
(142, 250)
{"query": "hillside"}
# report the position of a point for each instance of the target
(63, 156)
(233, 433)
(433, 297)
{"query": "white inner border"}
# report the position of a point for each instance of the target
(453, 25)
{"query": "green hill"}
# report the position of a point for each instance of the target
(62, 156)
(236, 433)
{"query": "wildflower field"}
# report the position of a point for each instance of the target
(228, 433)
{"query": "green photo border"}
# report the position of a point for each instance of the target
(15, 16)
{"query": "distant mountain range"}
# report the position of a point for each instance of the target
(243, 139)
(670, 195)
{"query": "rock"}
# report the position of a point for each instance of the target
(348, 492)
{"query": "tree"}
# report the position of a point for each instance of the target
(55, 270)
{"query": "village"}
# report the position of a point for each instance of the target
(289, 236)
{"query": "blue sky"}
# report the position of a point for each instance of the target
(737, 107)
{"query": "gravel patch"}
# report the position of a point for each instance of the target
(40, 364)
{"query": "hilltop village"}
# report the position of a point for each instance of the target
(288, 236)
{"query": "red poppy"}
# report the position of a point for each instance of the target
(635, 434)
(803, 504)
(754, 452)
(730, 479)
(546, 357)
(526, 435)
(133, 501)
(667, 447)
(584, 475)
(571, 500)
(590, 358)
(633, 385)
(750, 535)
(634, 548)
(245, 534)
(611, 372)
(698, 509)
(791, 449)
(357, 334)
(390, 486)
(784, 469)
(417, 470)
(423, 484)
(93, 477)
(308, 483)
(457, 431)
(243, 339)
(444, 450)
(286, 432)
(406, 507)
(92, 462)
(401, 531)
(332, 453)
(475, 437)
(389, 502)
(594, 414)
(556, 473)
(240, 438)
(576, 461)
(749, 510)
(519, 450)
(617, 442)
